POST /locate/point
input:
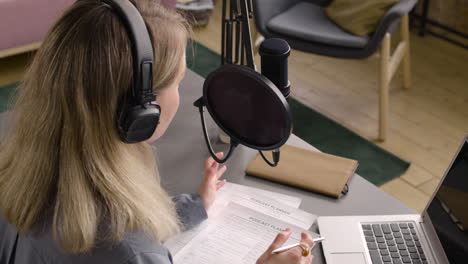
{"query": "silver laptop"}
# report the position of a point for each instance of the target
(438, 235)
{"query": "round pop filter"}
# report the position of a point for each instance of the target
(248, 107)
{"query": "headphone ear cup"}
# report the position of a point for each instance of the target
(139, 122)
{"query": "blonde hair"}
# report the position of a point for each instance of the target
(63, 154)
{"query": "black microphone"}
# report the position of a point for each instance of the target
(274, 53)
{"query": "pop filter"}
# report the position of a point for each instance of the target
(247, 106)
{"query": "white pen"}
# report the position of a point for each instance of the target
(281, 249)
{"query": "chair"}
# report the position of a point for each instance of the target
(306, 27)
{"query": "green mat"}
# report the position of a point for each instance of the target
(375, 164)
(6, 93)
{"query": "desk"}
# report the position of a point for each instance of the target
(181, 153)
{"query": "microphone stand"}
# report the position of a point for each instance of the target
(236, 43)
(236, 48)
(236, 40)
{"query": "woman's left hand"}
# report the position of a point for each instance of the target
(210, 183)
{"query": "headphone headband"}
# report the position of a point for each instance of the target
(142, 50)
(139, 116)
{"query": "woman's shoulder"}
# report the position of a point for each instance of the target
(135, 248)
(142, 249)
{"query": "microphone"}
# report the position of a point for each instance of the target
(274, 53)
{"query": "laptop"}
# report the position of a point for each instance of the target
(438, 235)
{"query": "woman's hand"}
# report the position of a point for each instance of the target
(290, 256)
(210, 183)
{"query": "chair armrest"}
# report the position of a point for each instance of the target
(323, 3)
(391, 16)
(264, 10)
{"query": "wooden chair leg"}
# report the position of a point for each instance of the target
(257, 38)
(257, 42)
(384, 87)
(404, 29)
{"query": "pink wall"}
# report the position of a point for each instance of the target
(27, 21)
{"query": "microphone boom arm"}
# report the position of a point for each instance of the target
(238, 20)
(235, 27)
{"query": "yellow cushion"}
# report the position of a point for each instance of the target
(359, 17)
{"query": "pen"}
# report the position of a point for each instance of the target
(281, 249)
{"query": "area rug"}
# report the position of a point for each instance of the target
(375, 164)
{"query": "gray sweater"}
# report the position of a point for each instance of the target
(136, 248)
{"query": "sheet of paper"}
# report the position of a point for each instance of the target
(283, 198)
(268, 205)
(247, 198)
(238, 235)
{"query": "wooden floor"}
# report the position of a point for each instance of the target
(427, 122)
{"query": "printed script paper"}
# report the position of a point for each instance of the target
(238, 235)
(250, 198)
(282, 198)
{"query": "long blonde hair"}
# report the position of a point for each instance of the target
(63, 154)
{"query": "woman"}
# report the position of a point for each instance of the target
(75, 192)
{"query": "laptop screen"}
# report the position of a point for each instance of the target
(449, 209)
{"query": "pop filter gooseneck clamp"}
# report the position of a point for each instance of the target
(232, 145)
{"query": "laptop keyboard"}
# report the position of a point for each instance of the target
(393, 243)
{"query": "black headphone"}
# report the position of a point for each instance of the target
(139, 116)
